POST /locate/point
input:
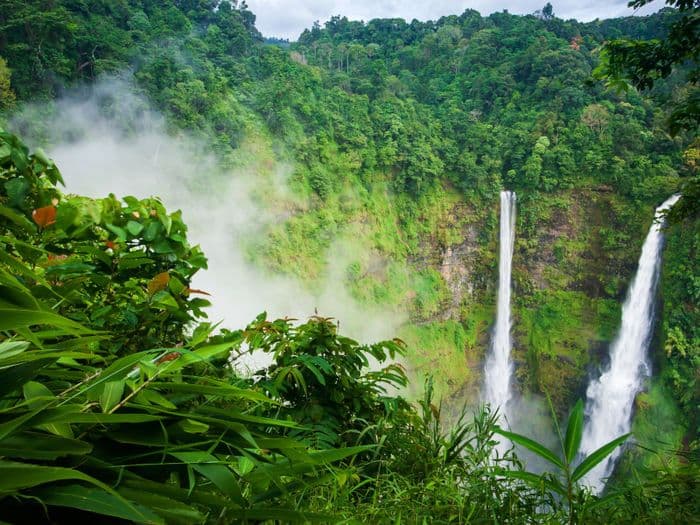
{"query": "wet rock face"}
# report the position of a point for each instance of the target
(457, 270)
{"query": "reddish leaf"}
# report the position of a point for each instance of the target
(194, 290)
(168, 357)
(45, 216)
(158, 283)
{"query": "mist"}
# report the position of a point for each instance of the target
(109, 140)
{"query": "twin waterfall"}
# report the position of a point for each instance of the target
(610, 398)
(499, 368)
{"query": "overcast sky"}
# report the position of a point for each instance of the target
(288, 18)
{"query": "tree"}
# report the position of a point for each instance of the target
(644, 62)
(7, 96)
(547, 12)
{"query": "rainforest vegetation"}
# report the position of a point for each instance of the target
(118, 398)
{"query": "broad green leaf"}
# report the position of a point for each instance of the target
(596, 457)
(532, 446)
(574, 431)
(134, 228)
(111, 395)
(14, 318)
(116, 230)
(534, 479)
(97, 501)
(240, 429)
(283, 515)
(16, 476)
(216, 389)
(12, 348)
(14, 377)
(38, 445)
(37, 395)
(119, 369)
(14, 425)
(293, 468)
(239, 416)
(99, 418)
(150, 396)
(215, 471)
(50, 354)
(200, 355)
(34, 390)
(193, 427)
(18, 219)
(172, 511)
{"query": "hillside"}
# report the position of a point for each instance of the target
(395, 139)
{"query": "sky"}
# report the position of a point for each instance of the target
(288, 18)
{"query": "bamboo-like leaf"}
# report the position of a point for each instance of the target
(37, 395)
(596, 457)
(173, 511)
(534, 479)
(239, 416)
(16, 476)
(111, 395)
(532, 446)
(12, 348)
(119, 369)
(201, 497)
(97, 501)
(150, 396)
(15, 318)
(314, 459)
(215, 471)
(14, 377)
(574, 431)
(214, 389)
(200, 355)
(38, 445)
(98, 418)
(16, 424)
(286, 515)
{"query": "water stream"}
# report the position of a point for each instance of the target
(610, 398)
(498, 370)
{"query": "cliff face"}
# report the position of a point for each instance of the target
(575, 254)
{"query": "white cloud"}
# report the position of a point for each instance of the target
(131, 153)
(287, 19)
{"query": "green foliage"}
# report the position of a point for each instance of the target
(121, 267)
(7, 96)
(645, 62)
(681, 317)
(321, 380)
(565, 480)
(401, 135)
(150, 427)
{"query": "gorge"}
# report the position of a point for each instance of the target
(338, 205)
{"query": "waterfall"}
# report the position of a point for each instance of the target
(610, 398)
(499, 369)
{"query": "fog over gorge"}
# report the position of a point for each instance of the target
(349, 262)
(112, 141)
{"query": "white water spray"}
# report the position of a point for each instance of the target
(610, 398)
(499, 368)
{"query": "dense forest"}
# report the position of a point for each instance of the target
(396, 138)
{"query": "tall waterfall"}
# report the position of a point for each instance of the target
(499, 368)
(611, 397)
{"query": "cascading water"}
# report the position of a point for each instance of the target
(610, 398)
(499, 369)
